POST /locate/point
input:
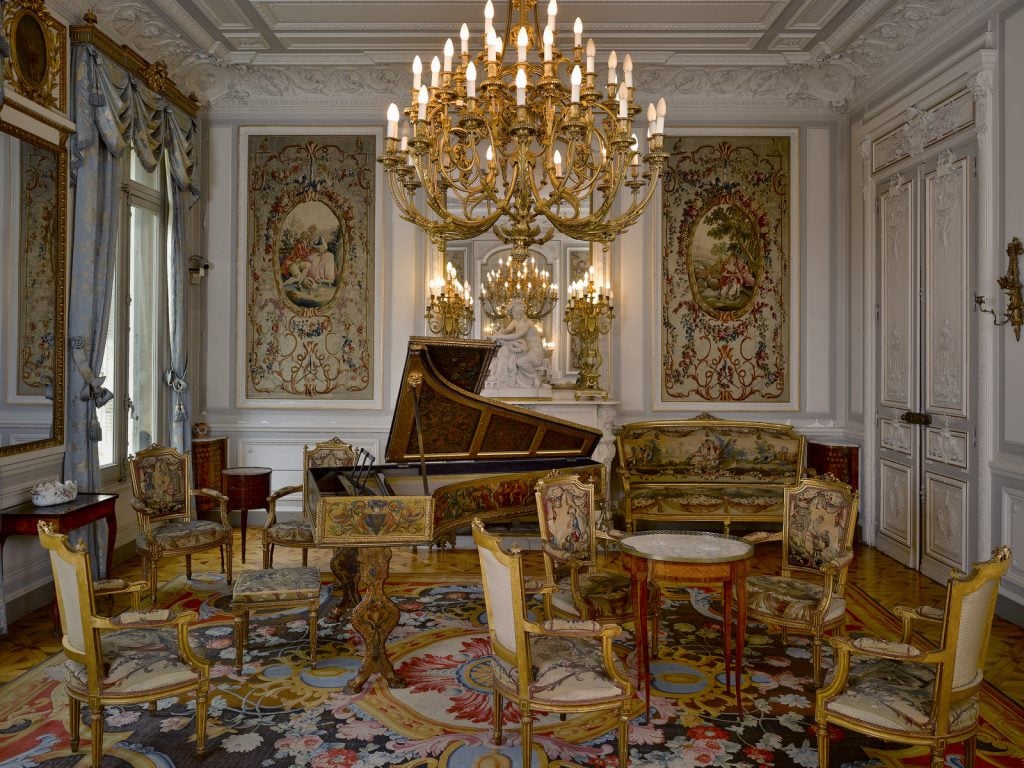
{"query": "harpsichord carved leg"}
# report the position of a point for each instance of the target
(374, 618)
(345, 567)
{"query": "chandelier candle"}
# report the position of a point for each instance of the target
(481, 152)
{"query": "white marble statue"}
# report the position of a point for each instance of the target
(520, 362)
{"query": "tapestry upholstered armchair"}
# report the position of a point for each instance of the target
(569, 538)
(134, 657)
(909, 692)
(164, 504)
(558, 665)
(298, 532)
(807, 595)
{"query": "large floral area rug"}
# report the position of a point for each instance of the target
(280, 711)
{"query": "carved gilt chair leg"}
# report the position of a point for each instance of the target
(496, 719)
(526, 718)
(75, 721)
(96, 711)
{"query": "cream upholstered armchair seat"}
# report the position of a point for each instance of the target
(904, 692)
(298, 532)
(134, 657)
(558, 665)
(164, 504)
(569, 537)
(807, 594)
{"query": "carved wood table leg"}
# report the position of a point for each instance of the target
(374, 619)
(345, 567)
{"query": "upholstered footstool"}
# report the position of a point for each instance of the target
(274, 589)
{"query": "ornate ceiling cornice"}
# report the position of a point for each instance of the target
(881, 50)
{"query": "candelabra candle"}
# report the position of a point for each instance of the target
(588, 316)
(481, 154)
(450, 310)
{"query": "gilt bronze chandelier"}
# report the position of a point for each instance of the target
(520, 138)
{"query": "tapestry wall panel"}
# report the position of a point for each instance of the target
(311, 234)
(38, 253)
(728, 271)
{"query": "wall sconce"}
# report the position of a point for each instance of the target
(197, 269)
(1010, 283)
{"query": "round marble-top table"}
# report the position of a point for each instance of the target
(687, 558)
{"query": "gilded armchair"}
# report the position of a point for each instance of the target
(134, 657)
(558, 665)
(807, 595)
(165, 508)
(911, 694)
(298, 532)
(569, 538)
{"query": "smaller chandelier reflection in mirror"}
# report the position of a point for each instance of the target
(450, 310)
(515, 279)
(588, 316)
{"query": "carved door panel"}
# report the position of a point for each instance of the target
(926, 407)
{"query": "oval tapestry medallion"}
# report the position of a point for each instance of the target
(725, 259)
(309, 254)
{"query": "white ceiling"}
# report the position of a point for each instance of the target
(379, 31)
(820, 55)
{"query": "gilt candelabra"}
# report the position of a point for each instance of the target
(450, 310)
(588, 316)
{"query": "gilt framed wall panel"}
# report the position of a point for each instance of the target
(310, 269)
(729, 270)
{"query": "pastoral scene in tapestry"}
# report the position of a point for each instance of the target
(726, 268)
(310, 308)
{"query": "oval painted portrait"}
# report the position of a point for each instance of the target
(29, 48)
(309, 255)
(725, 259)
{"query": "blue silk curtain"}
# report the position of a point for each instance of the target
(112, 110)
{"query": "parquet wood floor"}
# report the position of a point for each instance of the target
(32, 640)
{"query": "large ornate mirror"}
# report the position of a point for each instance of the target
(33, 207)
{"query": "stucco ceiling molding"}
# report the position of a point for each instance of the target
(908, 29)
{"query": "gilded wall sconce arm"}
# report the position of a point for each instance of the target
(1010, 283)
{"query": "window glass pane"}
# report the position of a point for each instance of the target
(150, 179)
(107, 414)
(144, 335)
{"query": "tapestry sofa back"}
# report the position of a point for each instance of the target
(707, 469)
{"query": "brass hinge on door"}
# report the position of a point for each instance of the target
(913, 417)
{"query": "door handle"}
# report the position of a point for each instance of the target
(913, 417)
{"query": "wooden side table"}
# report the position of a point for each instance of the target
(209, 457)
(246, 488)
(677, 557)
(839, 459)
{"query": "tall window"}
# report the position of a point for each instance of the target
(136, 348)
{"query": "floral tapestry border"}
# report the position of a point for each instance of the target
(729, 270)
(310, 228)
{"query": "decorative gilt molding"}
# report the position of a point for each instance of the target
(155, 74)
(35, 65)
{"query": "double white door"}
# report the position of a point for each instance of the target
(926, 406)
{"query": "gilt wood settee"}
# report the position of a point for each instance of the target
(707, 469)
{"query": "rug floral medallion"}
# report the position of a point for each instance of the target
(311, 267)
(281, 711)
(727, 268)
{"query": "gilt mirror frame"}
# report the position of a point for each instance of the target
(36, 67)
(58, 341)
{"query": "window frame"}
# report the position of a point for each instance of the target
(136, 195)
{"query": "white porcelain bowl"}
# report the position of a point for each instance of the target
(47, 494)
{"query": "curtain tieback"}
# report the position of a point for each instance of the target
(178, 385)
(92, 390)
